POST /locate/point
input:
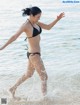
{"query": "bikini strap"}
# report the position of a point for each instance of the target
(27, 38)
(30, 22)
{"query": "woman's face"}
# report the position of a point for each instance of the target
(36, 17)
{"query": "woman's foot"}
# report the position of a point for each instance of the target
(12, 90)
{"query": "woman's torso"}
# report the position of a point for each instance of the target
(33, 37)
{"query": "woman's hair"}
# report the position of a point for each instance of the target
(31, 11)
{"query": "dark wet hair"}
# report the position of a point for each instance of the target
(33, 10)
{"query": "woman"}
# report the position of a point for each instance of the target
(32, 27)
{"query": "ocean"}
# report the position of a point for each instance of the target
(60, 49)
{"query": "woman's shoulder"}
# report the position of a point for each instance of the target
(25, 25)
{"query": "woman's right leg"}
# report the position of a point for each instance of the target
(27, 75)
(39, 66)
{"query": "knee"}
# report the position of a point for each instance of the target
(44, 76)
(29, 75)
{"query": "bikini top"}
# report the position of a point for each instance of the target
(35, 31)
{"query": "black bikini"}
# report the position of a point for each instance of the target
(35, 33)
(32, 54)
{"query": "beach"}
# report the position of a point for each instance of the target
(60, 51)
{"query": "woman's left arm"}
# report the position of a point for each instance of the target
(49, 26)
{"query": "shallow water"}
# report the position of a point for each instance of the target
(60, 52)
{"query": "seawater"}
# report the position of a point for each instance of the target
(60, 49)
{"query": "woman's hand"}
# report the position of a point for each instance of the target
(14, 37)
(1, 48)
(60, 16)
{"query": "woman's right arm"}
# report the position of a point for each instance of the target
(14, 37)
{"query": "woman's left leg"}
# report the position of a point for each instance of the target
(25, 76)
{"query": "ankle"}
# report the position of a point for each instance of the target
(14, 87)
